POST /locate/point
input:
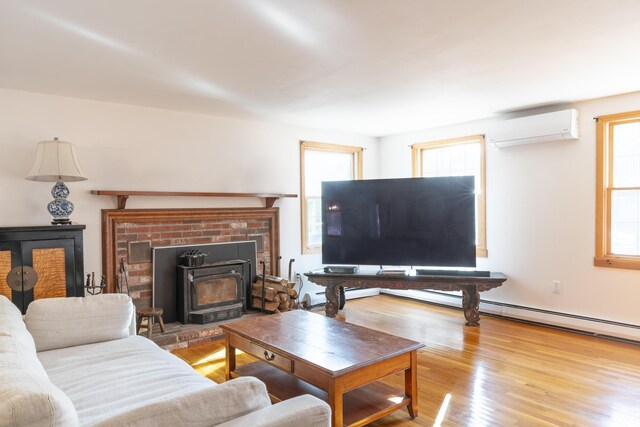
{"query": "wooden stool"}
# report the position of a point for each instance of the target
(150, 313)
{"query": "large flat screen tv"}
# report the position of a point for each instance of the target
(403, 222)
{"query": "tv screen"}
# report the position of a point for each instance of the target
(404, 222)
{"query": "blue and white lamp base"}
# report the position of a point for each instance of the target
(60, 208)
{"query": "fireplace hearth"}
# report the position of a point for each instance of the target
(211, 292)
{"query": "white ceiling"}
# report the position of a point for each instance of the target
(373, 67)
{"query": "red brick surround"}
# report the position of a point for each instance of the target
(170, 227)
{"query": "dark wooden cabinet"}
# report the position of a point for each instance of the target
(41, 262)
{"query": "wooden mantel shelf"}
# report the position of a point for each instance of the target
(122, 196)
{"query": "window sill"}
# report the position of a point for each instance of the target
(630, 263)
(311, 250)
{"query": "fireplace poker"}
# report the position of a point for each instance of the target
(264, 276)
(123, 276)
(278, 258)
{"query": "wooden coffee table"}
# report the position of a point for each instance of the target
(300, 352)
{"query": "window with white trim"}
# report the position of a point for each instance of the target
(618, 191)
(457, 157)
(322, 162)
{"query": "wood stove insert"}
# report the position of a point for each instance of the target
(211, 292)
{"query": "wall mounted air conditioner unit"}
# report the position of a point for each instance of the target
(555, 126)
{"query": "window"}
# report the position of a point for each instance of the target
(457, 157)
(618, 191)
(322, 162)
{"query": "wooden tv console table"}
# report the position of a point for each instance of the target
(471, 286)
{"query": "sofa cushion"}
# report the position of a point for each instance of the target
(65, 322)
(200, 408)
(27, 396)
(13, 332)
(9, 313)
(108, 378)
(304, 410)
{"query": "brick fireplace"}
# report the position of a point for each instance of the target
(132, 233)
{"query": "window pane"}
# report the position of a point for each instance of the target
(625, 220)
(429, 164)
(457, 163)
(626, 155)
(322, 166)
(325, 166)
(314, 221)
(454, 160)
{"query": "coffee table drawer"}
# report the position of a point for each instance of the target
(271, 357)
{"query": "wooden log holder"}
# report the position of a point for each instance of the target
(273, 294)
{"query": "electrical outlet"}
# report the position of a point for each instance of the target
(557, 287)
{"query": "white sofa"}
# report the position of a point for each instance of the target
(77, 361)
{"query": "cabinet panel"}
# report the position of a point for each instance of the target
(52, 276)
(5, 268)
(43, 262)
(9, 259)
(53, 261)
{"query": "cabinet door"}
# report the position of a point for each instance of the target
(53, 261)
(10, 258)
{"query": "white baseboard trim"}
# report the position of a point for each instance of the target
(554, 319)
(319, 298)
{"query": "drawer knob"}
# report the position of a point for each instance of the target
(268, 356)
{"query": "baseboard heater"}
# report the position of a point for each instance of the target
(628, 332)
(318, 298)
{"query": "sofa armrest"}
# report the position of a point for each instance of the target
(201, 408)
(304, 410)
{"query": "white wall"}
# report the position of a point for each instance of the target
(541, 218)
(123, 147)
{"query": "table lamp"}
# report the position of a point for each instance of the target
(57, 161)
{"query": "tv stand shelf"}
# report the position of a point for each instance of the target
(471, 286)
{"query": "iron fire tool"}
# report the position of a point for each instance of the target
(123, 276)
(248, 301)
(290, 264)
(264, 276)
(278, 258)
(91, 286)
(291, 261)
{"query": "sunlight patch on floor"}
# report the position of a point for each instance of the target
(443, 410)
(214, 357)
(396, 399)
(210, 369)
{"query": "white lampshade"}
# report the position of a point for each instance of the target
(56, 160)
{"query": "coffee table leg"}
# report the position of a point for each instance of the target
(411, 384)
(335, 402)
(229, 357)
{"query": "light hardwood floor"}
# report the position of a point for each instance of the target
(503, 373)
